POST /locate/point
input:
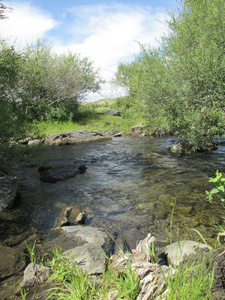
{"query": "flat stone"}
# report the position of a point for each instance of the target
(90, 258)
(85, 234)
(76, 137)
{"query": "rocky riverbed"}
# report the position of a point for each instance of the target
(134, 184)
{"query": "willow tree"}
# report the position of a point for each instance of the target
(53, 85)
(195, 48)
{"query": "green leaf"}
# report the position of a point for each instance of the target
(214, 191)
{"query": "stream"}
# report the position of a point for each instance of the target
(132, 183)
(135, 184)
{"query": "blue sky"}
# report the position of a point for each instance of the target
(106, 32)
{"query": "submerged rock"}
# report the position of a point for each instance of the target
(53, 174)
(76, 137)
(9, 190)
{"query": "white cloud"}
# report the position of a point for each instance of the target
(106, 34)
(25, 23)
(112, 35)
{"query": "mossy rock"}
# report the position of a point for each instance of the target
(70, 215)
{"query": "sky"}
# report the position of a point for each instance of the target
(106, 32)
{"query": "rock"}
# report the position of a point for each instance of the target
(75, 137)
(87, 234)
(9, 190)
(90, 258)
(12, 260)
(72, 214)
(53, 174)
(113, 295)
(114, 112)
(181, 147)
(34, 275)
(178, 252)
(34, 142)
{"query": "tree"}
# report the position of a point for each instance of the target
(196, 67)
(52, 85)
(185, 76)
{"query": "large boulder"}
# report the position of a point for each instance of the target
(87, 234)
(34, 275)
(76, 137)
(9, 187)
(90, 258)
(179, 252)
(114, 112)
(12, 260)
(53, 174)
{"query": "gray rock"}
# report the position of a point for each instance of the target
(8, 192)
(34, 142)
(53, 174)
(75, 137)
(178, 252)
(90, 258)
(86, 234)
(114, 112)
(34, 275)
(12, 260)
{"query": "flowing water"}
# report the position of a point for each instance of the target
(136, 184)
(132, 183)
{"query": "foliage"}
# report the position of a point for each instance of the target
(182, 82)
(190, 281)
(219, 190)
(53, 85)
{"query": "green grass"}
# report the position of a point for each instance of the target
(71, 283)
(192, 282)
(90, 117)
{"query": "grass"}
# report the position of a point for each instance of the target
(191, 280)
(71, 283)
(91, 116)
